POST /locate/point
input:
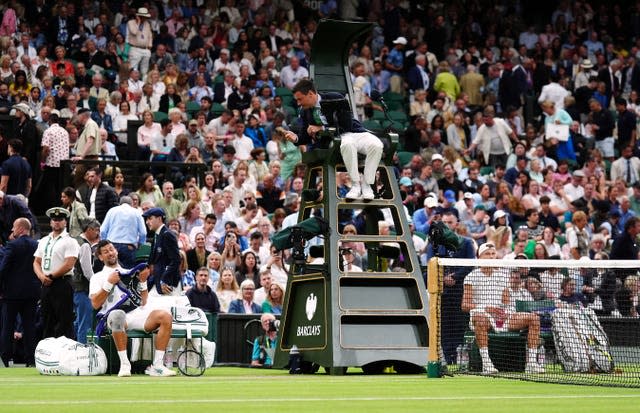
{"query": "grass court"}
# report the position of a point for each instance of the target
(231, 389)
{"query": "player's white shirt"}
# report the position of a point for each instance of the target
(487, 289)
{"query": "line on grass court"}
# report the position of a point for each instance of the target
(319, 399)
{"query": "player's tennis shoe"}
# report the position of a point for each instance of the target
(534, 368)
(125, 371)
(160, 371)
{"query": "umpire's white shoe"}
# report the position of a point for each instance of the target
(367, 192)
(160, 371)
(125, 371)
(354, 192)
(534, 368)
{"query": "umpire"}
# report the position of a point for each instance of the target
(21, 289)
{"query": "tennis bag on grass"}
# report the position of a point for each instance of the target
(581, 343)
(62, 356)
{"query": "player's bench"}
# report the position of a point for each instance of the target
(508, 349)
(107, 344)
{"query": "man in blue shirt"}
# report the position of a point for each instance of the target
(124, 227)
(395, 64)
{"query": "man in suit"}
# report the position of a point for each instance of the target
(354, 138)
(611, 77)
(165, 257)
(417, 75)
(245, 305)
(20, 289)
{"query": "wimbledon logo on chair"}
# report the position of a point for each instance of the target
(310, 310)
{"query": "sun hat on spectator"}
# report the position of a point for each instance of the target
(193, 122)
(400, 40)
(24, 108)
(143, 12)
(468, 195)
(586, 64)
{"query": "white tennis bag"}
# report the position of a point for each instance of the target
(62, 356)
(581, 343)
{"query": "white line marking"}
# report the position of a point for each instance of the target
(320, 399)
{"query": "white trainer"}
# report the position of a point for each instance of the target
(160, 371)
(489, 369)
(534, 368)
(125, 371)
(355, 192)
(367, 192)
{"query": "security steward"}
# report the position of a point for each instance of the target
(54, 260)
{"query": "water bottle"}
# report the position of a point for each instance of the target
(541, 355)
(463, 365)
(168, 358)
(459, 355)
(295, 359)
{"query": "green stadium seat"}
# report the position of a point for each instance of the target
(404, 157)
(378, 115)
(217, 109)
(372, 124)
(398, 115)
(486, 170)
(158, 116)
(193, 107)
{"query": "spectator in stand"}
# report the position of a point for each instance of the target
(201, 295)
(624, 246)
(97, 196)
(124, 227)
(245, 304)
(16, 172)
(293, 73)
(494, 139)
(602, 124)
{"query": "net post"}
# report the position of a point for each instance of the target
(434, 288)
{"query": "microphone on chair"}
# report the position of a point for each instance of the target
(376, 96)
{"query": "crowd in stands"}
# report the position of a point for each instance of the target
(521, 123)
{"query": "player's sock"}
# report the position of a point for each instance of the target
(158, 359)
(124, 360)
(532, 355)
(484, 354)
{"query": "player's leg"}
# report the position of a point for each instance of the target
(530, 321)
(159, 320)
(116, 321)
(481, 326)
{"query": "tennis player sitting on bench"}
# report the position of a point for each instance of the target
(483, 299)
(103, 291)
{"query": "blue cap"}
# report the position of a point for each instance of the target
(153, 212)
(450, 196)
(406, 181)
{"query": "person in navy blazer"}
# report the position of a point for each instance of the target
(20, 289)
(247, 288)
(331, 109)
(165, 257)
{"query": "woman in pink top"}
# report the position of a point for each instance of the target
(145, 133)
